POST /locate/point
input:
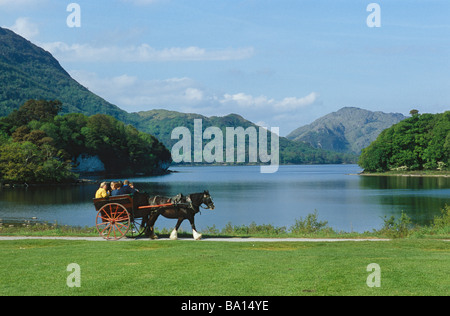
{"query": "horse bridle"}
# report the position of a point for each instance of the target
(188, 199)
(205, 208)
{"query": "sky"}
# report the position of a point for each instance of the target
(277, 63)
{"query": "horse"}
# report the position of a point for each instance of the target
(184, 207)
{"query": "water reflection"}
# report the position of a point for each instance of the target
(47, 195)
(421, 198)
(398, 183)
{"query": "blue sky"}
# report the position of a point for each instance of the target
(280, 63)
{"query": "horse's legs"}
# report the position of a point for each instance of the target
(145, 220)
(195, 234)
(174, 234)
(150, 231)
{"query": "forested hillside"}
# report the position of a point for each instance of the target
(421, 142)
(162, 122)
(38, 146)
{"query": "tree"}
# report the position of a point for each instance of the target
(417, 143)
(38, 110)
(66, 133)
(27, 163)
(413, 112)
(122, 148)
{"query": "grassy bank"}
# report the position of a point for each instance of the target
(39, 267)
(415, 262)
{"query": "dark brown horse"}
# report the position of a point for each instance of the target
(185, 207)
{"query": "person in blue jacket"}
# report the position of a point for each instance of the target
(126, 189)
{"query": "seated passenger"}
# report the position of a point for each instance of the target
(101, 192)
(132, 186)
(111, 187)
(116, 188)
(126, 189)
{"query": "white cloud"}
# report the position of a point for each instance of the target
(263, 102)
(25, 28)
(141, 53)
(194, 94)
(293, 103)
(245, 100)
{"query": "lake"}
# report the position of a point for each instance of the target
(243, 195)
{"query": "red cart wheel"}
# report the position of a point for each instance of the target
(113, 221)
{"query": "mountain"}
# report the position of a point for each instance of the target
(161, 123)
(29, 72)
(348, 130)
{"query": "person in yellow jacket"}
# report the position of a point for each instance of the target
(101, 192)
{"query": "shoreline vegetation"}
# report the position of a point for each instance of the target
(39, 146)
(85, 177)
(79, 181)
(424, 173)
(419, 144)
(308, 227)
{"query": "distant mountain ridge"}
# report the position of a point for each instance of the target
(161, 123)
(348, 130)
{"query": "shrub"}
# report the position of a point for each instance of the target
(442, 222)
(396, 229)
(309, 225)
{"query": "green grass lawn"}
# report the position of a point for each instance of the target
(408, 267)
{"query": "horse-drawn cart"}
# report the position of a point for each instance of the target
(135, 214)
(124, 215)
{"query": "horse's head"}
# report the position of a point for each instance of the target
(207, 200)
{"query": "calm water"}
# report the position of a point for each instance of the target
(242, 195)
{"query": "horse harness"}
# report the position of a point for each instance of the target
(178, 201)
(181, 201)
